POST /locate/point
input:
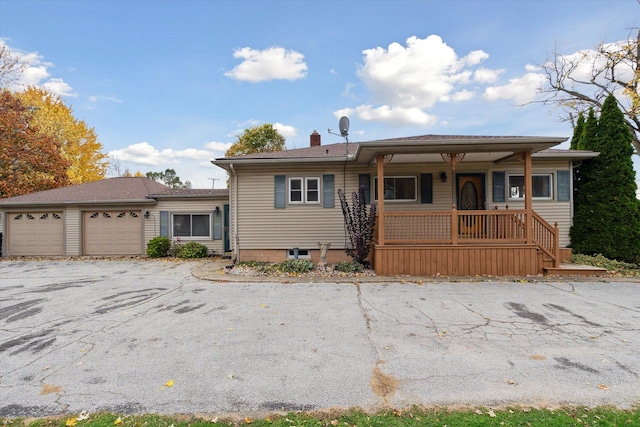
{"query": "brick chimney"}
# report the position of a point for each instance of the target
(314, 139)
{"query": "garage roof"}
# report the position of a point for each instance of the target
(112, 190)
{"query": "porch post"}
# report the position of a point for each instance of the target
(454, 198)
(528, 197)
(380, 161)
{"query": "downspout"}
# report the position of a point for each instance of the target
(234, 206)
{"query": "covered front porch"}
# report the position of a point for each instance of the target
(463, 243)
(468, 239)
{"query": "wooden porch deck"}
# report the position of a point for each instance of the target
(465, 243)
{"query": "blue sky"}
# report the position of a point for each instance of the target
(170, 84)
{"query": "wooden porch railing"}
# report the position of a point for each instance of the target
(467, 227)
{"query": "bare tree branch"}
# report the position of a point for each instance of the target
(577, 82)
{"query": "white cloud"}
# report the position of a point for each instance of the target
(485, 75)
(144, 153)
(391, 115)
(463, 95)
(190, 164)
(218, 147)
(36, 73)
(407, 81)
(418, 75)
(59, 87)
(274, 63)
(476, 57)
(348, 90)
(284, 130)
(521, 89)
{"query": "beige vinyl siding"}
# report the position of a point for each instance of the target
(72, 230)
(185, 206)
(262, 226)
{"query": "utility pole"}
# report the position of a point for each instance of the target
(213, 182)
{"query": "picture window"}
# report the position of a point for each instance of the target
(542, 186)
(191, 225)
(399, 188)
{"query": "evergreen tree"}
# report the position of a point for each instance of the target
(577, 132)
(606, 210)
(575, 142)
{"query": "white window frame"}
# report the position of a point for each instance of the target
(533, 176)
(290, 189)
(415, 188)
(304, 189)
(191, 237)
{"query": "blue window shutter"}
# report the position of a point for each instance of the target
(328, 197)
(217, 225)
(426, 188)
(364, 180)
(564, 186)
(280, 192)
(164, 224)
(498, 187)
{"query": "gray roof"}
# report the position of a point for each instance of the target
(423, 148)
(112, 190)
(319, 151)
(190, 193)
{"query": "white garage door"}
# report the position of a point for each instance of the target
(112, 232)
(35, 234)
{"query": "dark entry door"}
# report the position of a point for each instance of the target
(470, 197)
(470, 189)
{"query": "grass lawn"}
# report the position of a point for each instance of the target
(436, 417)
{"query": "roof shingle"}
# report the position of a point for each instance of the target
(106, 190)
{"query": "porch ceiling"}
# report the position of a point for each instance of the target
(437, 158)
(428, 148)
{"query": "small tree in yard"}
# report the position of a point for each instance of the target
(359, 224)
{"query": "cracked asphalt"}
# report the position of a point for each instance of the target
(96, 335)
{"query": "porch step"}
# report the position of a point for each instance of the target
(574, 270)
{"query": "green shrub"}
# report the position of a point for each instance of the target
(294, 266)
(158, 247)
(192, 250)
(348, 267)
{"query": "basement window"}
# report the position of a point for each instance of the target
(302, 254)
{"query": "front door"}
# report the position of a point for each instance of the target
(470, 197)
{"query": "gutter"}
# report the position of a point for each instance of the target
(182, 196)
(222, 162)
(77, 203)
(233, 196)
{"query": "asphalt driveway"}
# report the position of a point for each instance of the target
(134, 336)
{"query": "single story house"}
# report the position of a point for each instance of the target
(116, 216)
(449, 205)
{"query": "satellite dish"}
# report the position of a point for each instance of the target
(344, 126)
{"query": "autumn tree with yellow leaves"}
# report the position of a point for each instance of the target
(78, 143)
(29, 161)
